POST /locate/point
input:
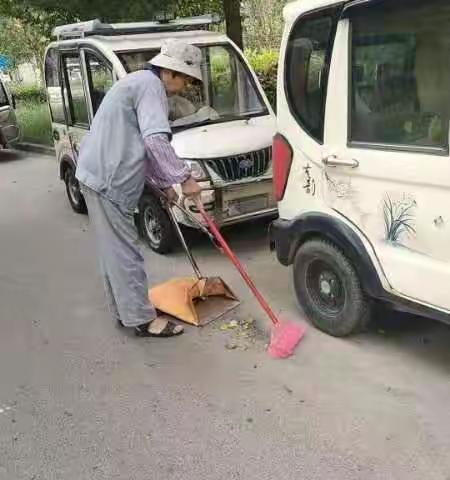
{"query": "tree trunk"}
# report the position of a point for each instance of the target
(232, 9)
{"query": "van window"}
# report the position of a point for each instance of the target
(137, 60)
(307, 63)
(100, 78)
(77, 99)
(230, 88)
(228, 91)
(400, 91)
(53, 83)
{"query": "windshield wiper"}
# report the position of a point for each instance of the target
(202, 123)
(225, 118)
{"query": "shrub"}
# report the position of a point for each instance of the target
(29, 93)
(265, 63)
(35, 123)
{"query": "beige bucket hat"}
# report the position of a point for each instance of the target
(180, 57)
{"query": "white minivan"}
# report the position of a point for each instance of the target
(361, 158)
(223, 127)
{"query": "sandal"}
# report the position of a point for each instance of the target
(171, 329)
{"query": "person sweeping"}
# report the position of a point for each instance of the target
(129, 140)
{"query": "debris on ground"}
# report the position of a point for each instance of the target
(241, 333)
(231, 346)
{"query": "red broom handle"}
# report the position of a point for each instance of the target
(215, 231)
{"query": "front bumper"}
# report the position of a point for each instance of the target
(235, 203)
(282, 240)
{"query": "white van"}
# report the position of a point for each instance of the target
(9, 128)
(223, 127)
(361, 160)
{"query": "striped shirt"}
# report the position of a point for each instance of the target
(163, 166)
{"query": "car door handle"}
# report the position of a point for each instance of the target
(334, 161)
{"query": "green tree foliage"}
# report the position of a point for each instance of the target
(196, 7)
(263, 23)
(25, 30)
(112, 10)
(30, 22)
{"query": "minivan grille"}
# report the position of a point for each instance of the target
(237, 167)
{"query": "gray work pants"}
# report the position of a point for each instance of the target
(121, 262)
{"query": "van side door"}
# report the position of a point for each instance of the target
(99, 78)
(386, 159)
(78, 115)
(57, 100)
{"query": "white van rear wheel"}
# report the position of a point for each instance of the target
(328, 289)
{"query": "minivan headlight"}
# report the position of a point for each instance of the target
(198, 172)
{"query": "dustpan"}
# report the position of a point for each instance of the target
(195, 300)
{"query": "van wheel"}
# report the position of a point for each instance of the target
(328, 289)
(73, 191)
(155, 225)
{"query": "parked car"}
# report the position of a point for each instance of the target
(361, 158)
(223, 127)
(9, 128)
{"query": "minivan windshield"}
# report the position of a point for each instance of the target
(228, 91)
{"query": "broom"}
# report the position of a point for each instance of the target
(286, 335)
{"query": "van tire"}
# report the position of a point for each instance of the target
(159, 236)
(328, 289)
(74, 194)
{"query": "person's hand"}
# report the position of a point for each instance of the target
(171, 194)
(191, 189)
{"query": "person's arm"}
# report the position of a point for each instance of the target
(164, 167)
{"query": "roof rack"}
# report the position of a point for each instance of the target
(96, 27)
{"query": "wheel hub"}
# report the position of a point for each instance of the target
(325, 286)
(152, 227)
(328, 284)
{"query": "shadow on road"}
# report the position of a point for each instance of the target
(416, 336)
(7, 156)
(243, 237)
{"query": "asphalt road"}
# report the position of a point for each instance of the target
(79, 399)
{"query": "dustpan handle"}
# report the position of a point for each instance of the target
(230, 254)
(183, 242)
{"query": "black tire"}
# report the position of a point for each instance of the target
(328, 289)
(73, 191)
(159, 235)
